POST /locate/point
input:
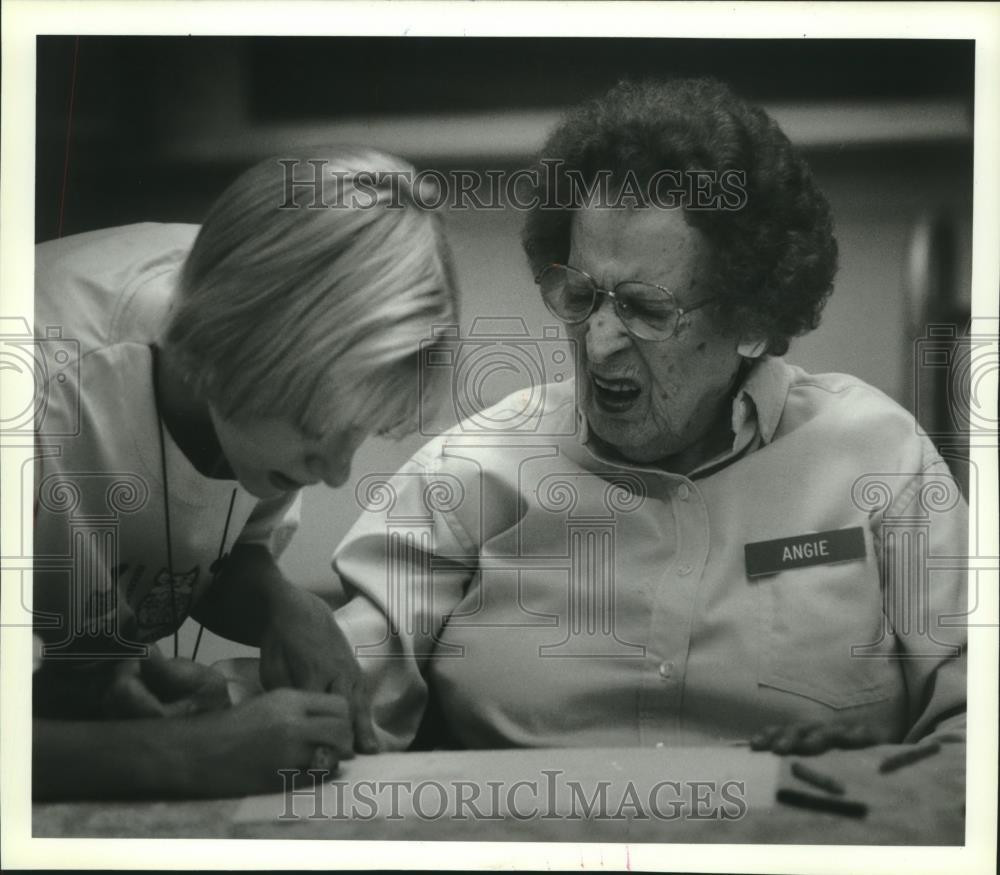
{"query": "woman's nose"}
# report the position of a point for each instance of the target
(606, 334)
(333, 469)
(337, 475)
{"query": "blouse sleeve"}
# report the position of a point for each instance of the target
(405, 565)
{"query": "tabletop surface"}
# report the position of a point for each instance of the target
(690, 795)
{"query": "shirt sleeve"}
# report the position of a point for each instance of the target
(923, 542)
(405, 565)
(273, 523)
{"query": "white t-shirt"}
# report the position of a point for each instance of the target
(101, 528)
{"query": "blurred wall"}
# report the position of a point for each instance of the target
(139, 129)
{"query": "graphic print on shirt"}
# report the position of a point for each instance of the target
(156, 611)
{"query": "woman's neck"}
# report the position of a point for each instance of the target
(186, 417)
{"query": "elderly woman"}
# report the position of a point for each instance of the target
(696, 542)
(207, 375)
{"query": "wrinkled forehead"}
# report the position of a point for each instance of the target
(651, 244)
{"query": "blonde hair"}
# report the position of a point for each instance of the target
(315, 309)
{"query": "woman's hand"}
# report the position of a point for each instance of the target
(303, 647)
(161, 687)
(242, 750)
(229, 752)
(814, 738)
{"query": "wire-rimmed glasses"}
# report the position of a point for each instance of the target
(648, 311)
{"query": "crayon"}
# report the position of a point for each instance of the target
(847, 807)
(817, 779)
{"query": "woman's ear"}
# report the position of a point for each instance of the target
(752, 349)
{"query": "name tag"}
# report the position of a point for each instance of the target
(822, 548)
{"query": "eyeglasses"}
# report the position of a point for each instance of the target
(648, 312)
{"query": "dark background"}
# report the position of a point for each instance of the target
(112, 160)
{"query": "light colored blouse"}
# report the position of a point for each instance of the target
(546, 596)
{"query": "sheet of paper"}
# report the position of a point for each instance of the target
(665, 783)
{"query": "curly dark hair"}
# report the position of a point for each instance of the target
(774, 258)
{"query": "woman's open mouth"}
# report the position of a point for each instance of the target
(614, 395)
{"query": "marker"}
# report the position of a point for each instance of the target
(847, 807)
(817, 779)
(913, 755)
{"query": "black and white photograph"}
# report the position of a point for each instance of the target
(500, 436)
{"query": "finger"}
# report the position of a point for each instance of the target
(331, 732)
(818, 739)
(790, 737)
(186, 687)
(763, 739)
(318, 763)
(129, 698)
(174, 678)
(859, 735)
(208, 698)
(365, 740)
(165, 675)
(211, 696)
(323, 704)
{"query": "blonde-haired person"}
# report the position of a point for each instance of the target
(208, 375)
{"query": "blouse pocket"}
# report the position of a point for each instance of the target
(823, 635)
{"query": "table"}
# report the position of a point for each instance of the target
(922, 804)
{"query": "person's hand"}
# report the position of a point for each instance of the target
(304, 648)
(241, 750)
(161, 687)
(815, 737)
